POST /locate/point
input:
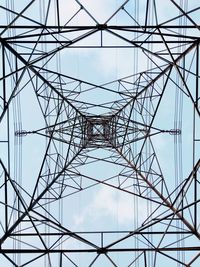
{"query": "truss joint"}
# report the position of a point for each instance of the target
(102, 27)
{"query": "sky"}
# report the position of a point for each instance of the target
(99, 207)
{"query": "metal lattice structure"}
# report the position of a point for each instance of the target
(97, 173)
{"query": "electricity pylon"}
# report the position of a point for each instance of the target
(64, 139)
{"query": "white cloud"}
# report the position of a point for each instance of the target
(120, 62)
(108, 204)
(100, 10)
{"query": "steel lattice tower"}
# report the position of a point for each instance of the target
(97, 173)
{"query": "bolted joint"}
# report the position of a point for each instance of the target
(102, 251)
(102, 27)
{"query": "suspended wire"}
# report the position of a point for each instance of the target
(43, 14)
(135, 115)
(152, 19)
(16, 153)
(61, 148)
(178, 111)
(184, 31)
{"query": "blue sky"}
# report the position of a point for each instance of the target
(99, 207)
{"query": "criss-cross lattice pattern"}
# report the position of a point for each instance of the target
(99, 133)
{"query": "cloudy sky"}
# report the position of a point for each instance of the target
(99, 207)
